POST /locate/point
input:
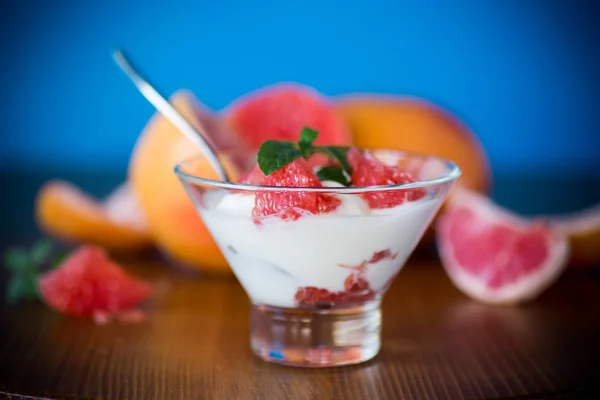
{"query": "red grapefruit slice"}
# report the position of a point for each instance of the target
(290, 205)
(495, 256)
(88, 282)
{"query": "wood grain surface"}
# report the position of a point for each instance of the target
(437, 344)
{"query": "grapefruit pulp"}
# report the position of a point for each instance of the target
(279, 112)
(495, 256)
(88, 282)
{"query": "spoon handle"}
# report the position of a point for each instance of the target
(167, 110)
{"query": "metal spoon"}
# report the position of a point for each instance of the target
(166, 109)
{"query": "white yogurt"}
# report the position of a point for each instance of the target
(273, 260)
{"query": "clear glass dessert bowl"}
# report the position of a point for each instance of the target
(316, 281)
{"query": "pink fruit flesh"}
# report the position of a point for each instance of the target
(291, 205)
(280, 112)
(511, 253)
(496, 256)
(356, 287)
(88, 282)
(369, 171)
(253, 176)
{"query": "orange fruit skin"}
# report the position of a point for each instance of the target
(585, 249)
(411, 124)
(63, 211)
(583, 230)
(176, 227)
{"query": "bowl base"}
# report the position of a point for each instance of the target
(316, 338)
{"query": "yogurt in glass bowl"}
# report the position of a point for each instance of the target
(317, 261)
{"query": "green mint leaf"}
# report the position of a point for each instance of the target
(306, 149)
(41, 251)
(333, 173)
(59, 258)
(16, 260)
(274, 155)
(22, 287)
(308, 135)
(23, 265)
(339, 153)
(13, 290)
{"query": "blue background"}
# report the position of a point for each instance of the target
(521, 73)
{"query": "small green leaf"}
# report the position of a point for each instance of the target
(24, 265)
(332, 173)
(16, 260)
(59, 258)
(306, 149)
(308, 135)
(274, 155)
(22, 287)
(41, 250)
(13, 290)
(339, 153)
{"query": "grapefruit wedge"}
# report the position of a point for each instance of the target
(116, 223)
(89, 282)
(494, 255)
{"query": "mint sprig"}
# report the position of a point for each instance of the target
(24, 266)
(331, 173)
(274, 155)
(308, 135)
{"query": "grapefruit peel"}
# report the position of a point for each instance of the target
(116, 223)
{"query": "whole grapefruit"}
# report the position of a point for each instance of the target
(416, 125)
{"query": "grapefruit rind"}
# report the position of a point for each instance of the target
(414, 124)
(584, 221)
(69, 214)
(123, 208)
(527, 288)
(175, 226)
(583, 230)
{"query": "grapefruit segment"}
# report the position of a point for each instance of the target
(292, 205)
(89, 283)
(495, 256)
(367, 170)
(67, 213)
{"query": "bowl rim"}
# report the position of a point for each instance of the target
(453, 173)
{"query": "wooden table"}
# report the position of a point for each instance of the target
(437, 344)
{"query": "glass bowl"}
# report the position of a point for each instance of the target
(316, 281)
